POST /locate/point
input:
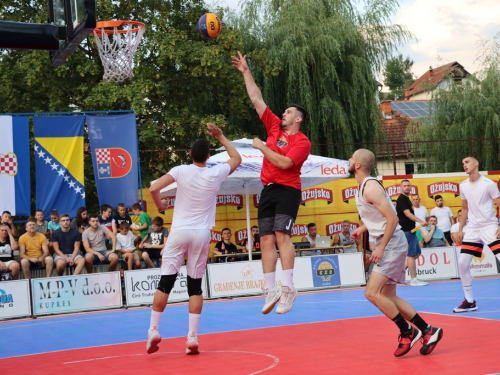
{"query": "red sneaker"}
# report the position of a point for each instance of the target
(430, 338)
(406, 341)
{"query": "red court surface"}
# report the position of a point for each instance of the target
(354, 346)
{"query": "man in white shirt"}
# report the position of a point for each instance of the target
(444, 216)
(194, 216)
(419, 211)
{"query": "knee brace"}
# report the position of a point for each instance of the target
(194, 286)
(166, 283)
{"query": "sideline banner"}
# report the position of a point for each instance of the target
(76, 293)
(140, 286)
(437, 263)
(352, 269)
(14, 299)
(486, 265)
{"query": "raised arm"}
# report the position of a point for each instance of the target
(254, 93)
(234, 157)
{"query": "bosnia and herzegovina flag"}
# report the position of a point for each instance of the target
(15, 193)
(59, 164)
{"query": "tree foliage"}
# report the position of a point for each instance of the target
(322, 55)
(398, 76)
(465, 112)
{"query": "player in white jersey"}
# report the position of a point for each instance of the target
(389, 255)
(194, 216)
(478, 194)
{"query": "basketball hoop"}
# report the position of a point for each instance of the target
(117, 42)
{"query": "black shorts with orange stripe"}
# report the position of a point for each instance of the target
(472, 248)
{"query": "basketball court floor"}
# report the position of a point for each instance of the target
(330, 332)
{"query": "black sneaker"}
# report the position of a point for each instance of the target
(465, 306)
(430, 338)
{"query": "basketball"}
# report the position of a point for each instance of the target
(209, 25)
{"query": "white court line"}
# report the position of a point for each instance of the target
(462, 315)
(275, 359)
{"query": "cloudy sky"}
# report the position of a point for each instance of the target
(444, 30)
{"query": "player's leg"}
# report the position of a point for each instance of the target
(60, 265)
(414, 252)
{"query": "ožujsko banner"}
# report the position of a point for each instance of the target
(76, 293)
(14, 299)
(140, 286)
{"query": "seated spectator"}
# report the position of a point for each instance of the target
(54, 222)
(34, 250)
(7, 219)
(225, 247)
(455, 227)
(94, 242)
(144, 220)
(81, 221)
(66, 242)
(42, 226)
(125, 246)
(105, 218)
(344, 239)
(311, 237)
(7, 245)
(255, 241)
(153, 244)
(120, 217)
(432, 235)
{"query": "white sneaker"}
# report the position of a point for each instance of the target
(287, 297)
(417, 282)
(272, 297)
(192, 344)
(154, 339)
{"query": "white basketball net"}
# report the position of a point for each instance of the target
(117, 51)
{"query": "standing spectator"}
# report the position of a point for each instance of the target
(285, 151)
(94, 242)
(42, 226)
(153, 244)
(256, 243)
(420, 211)
(7, 219)
(311, 237)
(105, 216)
(455, 229)
(66, 242)
(120, 217)
(407, 220)
(7, 245)
(444, 217)
(126, 247)
(54, 222)
(344, 239)
(194, 216)
(432, 235)
(225, 247)
(81, 221)
(144, 220)
(34, 251)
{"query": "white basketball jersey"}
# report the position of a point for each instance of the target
(479, 196)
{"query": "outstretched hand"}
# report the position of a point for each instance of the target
(214, 130)
(240, 62)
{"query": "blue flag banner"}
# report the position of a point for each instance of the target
(59, 164)
(15, 184)
(113, 141)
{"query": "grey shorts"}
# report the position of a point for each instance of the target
(392, 264)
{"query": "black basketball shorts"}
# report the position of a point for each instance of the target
(278, 207)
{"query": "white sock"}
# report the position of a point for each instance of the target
(155, 319)
(468, 293)
(288, 278)
(270, 280)
(194, 322)
(465, 275)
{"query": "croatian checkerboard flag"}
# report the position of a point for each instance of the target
(15, 191)
(59, 164)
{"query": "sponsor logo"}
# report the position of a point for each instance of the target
(299, 230)
(230, 200)
(215, 236)
(282, 142)
(315, 194)
(336, 228)
(330, 171)
(112, 162)
(256, 200)
(325, 270)
(395, 190)
(349, 193)
(247, 272)
(6, 299)
(443, 187)
(8, 164)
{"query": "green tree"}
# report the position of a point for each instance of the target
(464, 112)
(398, 76)
(322, 55)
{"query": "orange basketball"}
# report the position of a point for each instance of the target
(209, 25)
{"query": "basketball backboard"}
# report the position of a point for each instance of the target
(77, 18)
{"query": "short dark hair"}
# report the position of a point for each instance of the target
(302, 110)
(121, 205)
(105, 207)
(157, 221)
(310, 225)
(93, 216)
(54, 213)
(436, 197)
(136, 206)
(224, 230)
(38, 210)
(433, 217)
(6, 212)
(31, 220)
(200, 150)
(124, 225)
(64, 215)
(405, 180)
(255, 226)
(459, 211)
